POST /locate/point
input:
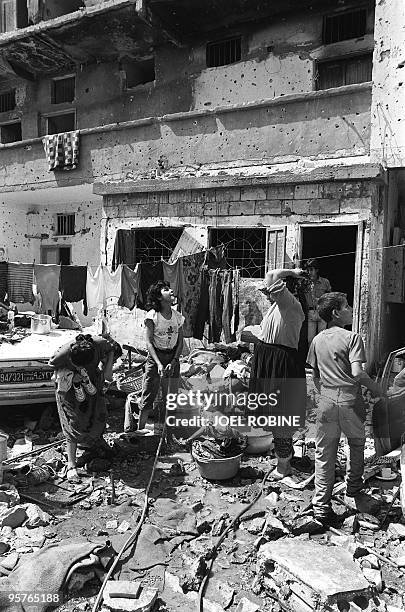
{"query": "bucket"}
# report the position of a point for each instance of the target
(41, 324)
(218, 469)
(259, 443)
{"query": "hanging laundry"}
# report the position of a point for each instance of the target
(35, 11)
(149, 274)
(112, 283)
(72, 284)
(215, 305)
(192, 290)
(3, 279)
(203, 310)
(95, 288)
(173, 274)
(47, 278)
(124, 248)
(235, 303)
(129, 287)
(62, 150)
(20, 278)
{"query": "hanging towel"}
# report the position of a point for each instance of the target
(124, 248)
(149, 274)
(72, 284)
(95, 288)
(192, 290)
(62, 150)
(20, 278)
(173, 274)
(3, 279)
(112, 283)
(129, 287)
(47, 280)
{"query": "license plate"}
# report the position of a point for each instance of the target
(18, 377)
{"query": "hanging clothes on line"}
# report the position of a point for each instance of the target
(215, 305)
(124, 248)
(95, 288)
(129, 287)
(230, 304)
(47, 277)
(72, 284)
(111, 283)
(3, 280)
(20, 278)
(174, 275)
(192, 290)
(149, 274)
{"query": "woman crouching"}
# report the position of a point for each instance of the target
(81, 369)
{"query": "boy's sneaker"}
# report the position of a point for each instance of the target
(87, 384)
(79, 392)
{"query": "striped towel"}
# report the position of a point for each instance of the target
(62, 150)
(20, 278)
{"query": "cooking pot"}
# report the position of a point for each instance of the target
(41, 324)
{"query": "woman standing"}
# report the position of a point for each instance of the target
(81, 369)
(277, 366)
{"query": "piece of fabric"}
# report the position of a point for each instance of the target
(203, 310)
(62, 150)
(165, 331)
(316, 290)
(315, 325)
(227, 305)
(20, 278)
(282, 323)
(152, 381)
(72, 284)
(149, 274)
(192, 290)
(95, 288)
(235, 303)
(125, 248)
(333, 418)
(63, 379)
(47, 278)
(173, 274)
(169, 514)
(129, 287)
(331, 354)
(3, 280)
(215, 305)
(83, 422)
(112, 283)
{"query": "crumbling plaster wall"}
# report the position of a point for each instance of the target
(388, 107)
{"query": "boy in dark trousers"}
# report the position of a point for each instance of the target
(337, 356)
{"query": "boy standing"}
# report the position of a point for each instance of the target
(337, 356)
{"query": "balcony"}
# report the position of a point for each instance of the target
(333, 123)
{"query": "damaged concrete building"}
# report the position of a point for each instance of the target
(273, 126)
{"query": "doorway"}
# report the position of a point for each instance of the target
(335, 249)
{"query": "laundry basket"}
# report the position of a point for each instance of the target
(218, 469)
(131, 381)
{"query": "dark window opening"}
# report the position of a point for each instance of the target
(138, 73)
(65, 225)
(146, 244)
(13, 15)
(56, 255)
(344, 26)
(10, 132)
(61, 123)
(7, 101)
(244, 249)
(224, 52)
(348, 71)
(63, 90)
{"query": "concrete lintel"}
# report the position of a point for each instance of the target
(330, 173)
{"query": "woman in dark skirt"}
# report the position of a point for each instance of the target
(277, 367)
(81, 368)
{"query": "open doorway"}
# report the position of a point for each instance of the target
(335, 249)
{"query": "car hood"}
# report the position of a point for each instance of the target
(36, 346)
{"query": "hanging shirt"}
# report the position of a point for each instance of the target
(20, 278)
(72, 284)
(47, 277)
(129, 287)
(282, 323)
(165, 331)
(95, 288)
(149, 274)
(112, 283)
(3, 279)
(173, 274)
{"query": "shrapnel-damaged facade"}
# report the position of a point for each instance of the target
(275, 127)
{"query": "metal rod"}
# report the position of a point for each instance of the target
(37, 451)
(112, 487)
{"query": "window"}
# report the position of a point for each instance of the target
(149, 244)
(244, 249)
(7, 101)
(65, 225)
(63, 90)
(138, 73)
(344, 26)
(224, 52)
(56, 255)
(56, 124)
(10, 132)
(348, 71)
(13, 15)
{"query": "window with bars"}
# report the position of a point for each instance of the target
(63, 90)
(7, 101)
(348, 71)
(150, 244)
(245, 248)
(10, 132)
(344, 26)
(224, 52)
(65, 225)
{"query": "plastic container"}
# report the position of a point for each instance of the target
(218, 469)
(41, 324)
(259, 443)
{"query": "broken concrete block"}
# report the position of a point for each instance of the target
(397, 530)
(125, 595)
(306, 524)
(351, 524)
(400, 561)
(374, 577)
(4, 547)
(367, 521)
(256, 526)
(370, 561)
(111, 524)
(9, 495)
(12, 517)
(220, 592)
(274, 527)
(246, 605)
(36, 516)
(341, 540)
(272, 498)
(124, 526)
(317, 576)
(10, 561)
